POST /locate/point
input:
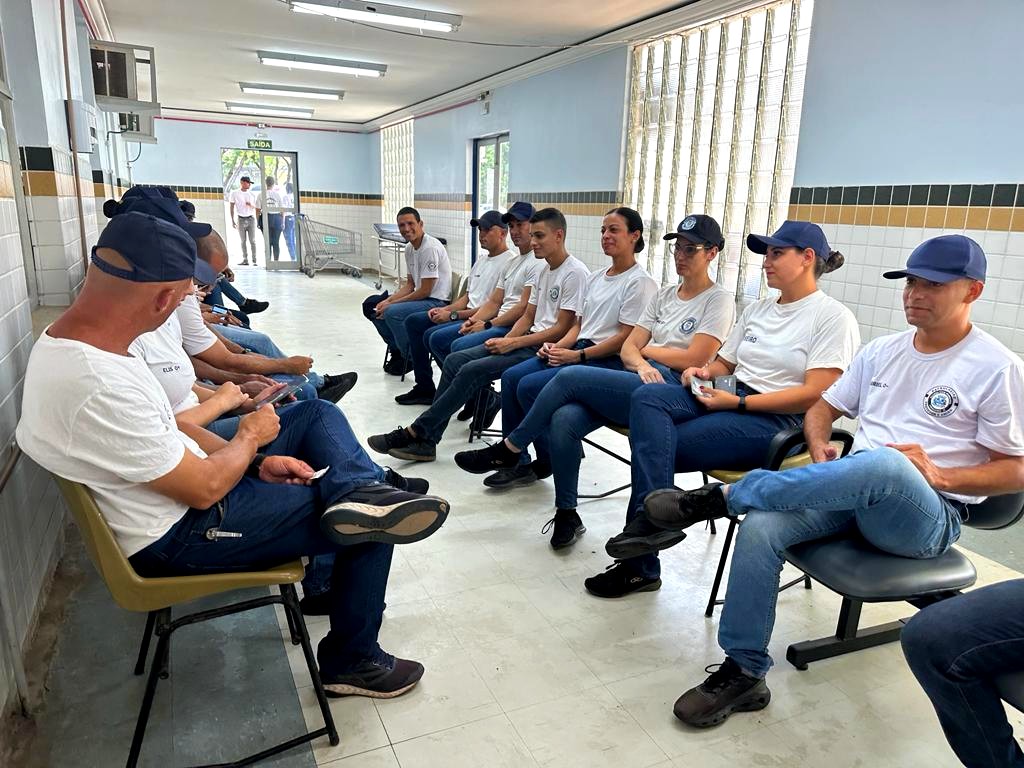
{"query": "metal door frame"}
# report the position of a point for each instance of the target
(484, 141)
(280, 264)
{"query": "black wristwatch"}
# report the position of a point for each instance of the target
(253, 470)
(487, 325)
(454, 315)
(742, 405)
(583, 356)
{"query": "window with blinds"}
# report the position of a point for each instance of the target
(714, 116)
(397, 172)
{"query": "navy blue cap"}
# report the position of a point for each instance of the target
(159, 252)
(156, 201)
(188, 209)
(792, 234)
(488, 220)
(699, 230)
(245, 178)
(519, 211)
(944, 259)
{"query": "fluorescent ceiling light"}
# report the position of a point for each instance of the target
(378, 13)
(322, 64)
(263, 109)
(292, 91)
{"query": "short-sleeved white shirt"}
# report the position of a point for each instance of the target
(773, 345)
(102, 420)
(484, 276)
(558, 289)
(520, 271)
(245, 202)
(196, 337)
(430, 260)
(611, 300)
(673, 322)
(169, 363)
(275, 200)
(956, 404)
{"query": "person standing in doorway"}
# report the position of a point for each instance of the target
(289, 219)
(275, 218)
(244, 210)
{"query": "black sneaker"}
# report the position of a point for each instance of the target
(417, 450)
(641, 537)
(398, 365)
(511, 478)
(497, 456)
(727, 690)
(619, 580)
(396, 438)
(418, 395)
(410, 484)
(336, 387)
(675, 510)
(316, 605)
(384, 514)
(384, 679)
(541, 469)
(251, 306)
(490, 411)
(566, 527)
(467, 410)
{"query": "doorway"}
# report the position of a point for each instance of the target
(490, 177)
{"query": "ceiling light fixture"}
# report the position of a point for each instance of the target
(264, 109)
(378, 13)
(322, 64)
(292, 91)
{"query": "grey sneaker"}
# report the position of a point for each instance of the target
(384, 679)
(728, 689)
(382, 513)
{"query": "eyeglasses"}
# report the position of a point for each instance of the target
(688, 249)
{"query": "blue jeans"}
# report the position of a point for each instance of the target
(956, 648)
(275, 221)
(670, 431)
(521, 385)
(223, 288)
(289, 235)
(475, 339)
(463, 374)
(440, 340)
(262, 344)
(579, 400)
(419, 330)
(391, 326)
(878, 493)
(282, 522)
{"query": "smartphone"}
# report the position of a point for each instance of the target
(282, 393)
(726, 384)
(217, 310)
(696, 384)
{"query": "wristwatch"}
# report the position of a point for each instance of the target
(742, 405)
(487, 325)
(454, 315)
(583, 356)
(253, 470)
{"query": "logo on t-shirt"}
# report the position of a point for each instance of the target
(431, 266)
(749, 337)
(686, 327)
(553, 293)
(941, 401)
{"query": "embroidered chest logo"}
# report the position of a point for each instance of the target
(941, 401)
(750, 338)
(686, 327)
(553, 293)
(879, 384)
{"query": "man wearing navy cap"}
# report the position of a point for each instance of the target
(940, 429)
(244, 210)
(184, 501)
(422, 327)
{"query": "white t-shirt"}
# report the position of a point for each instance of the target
(169, 363)
(774, 345)
(520, 271)
(195, 335)
(674, 322)
(484, 276)
(245, 202)
(274, 200)
(430, 260)
(556, 290)
(101, 419)
(956, 404)
(609, 301)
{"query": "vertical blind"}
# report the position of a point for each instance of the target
(397, 171)
(714, 116)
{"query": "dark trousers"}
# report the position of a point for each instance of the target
(956, 648)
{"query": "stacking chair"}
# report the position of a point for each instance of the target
(849, 565)
(156, 596)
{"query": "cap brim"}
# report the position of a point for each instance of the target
(932, 275)
(687, 236)
(204, 273)
(761, 243)
(197, 229)
(510, 217)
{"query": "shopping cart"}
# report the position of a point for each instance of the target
(324, 245)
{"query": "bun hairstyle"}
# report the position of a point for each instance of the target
(110, 208)
(634, 223)
(830, 263)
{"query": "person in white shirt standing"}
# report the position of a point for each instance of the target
(940, 428)
(275, 216)
(244, 210)
(428, 284)
(421, 327)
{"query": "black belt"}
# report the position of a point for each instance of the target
(245, 217)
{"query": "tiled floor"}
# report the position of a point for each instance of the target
(523, 667)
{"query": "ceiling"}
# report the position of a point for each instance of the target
(205, 47)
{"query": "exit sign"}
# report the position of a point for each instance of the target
(260, 144)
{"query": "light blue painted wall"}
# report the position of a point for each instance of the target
(188, 153)
(566, 130)
(914, 91)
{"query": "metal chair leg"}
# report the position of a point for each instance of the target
(291, 606)
(157, 670)
(147, 634)
(726, 546)
(291, 621)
